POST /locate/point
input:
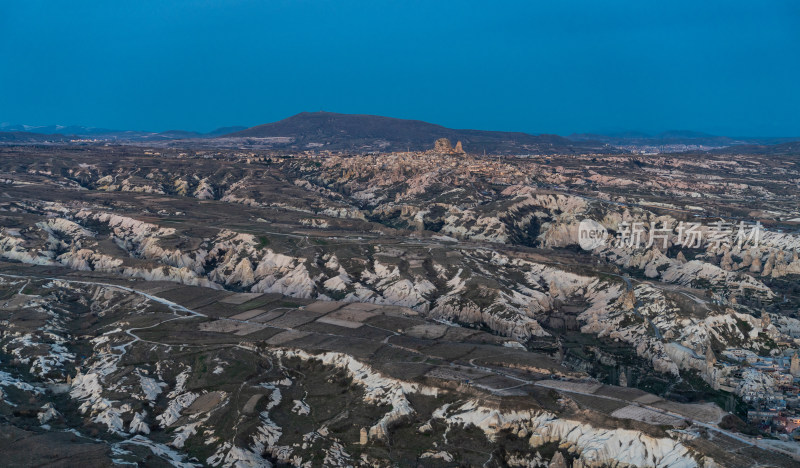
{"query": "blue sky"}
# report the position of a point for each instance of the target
(724, 67)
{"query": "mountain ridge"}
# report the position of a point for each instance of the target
(334, 131)
(79, 131)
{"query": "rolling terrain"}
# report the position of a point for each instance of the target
(195, 307)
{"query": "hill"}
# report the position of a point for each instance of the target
(791, 148)
(28, 137)
(362, 133)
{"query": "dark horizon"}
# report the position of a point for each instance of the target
(620, 133)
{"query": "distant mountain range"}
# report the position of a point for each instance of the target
(368, 133)
(60, 132)
(28, 137)
(674, 137)
(788, 148)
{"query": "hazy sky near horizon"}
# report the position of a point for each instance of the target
(725, 67)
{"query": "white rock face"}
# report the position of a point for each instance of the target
(204, 190)
(595, 447)
(300, 408)
(174, 458)
(138, 424)
(150, 387)
(441, 455)
(48, 413)
(379, 389)
(176, 405)
(88, 388)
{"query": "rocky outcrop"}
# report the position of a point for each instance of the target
(379, 389)
(442, 145)
(591, 446)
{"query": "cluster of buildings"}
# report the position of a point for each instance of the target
(770, 384)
